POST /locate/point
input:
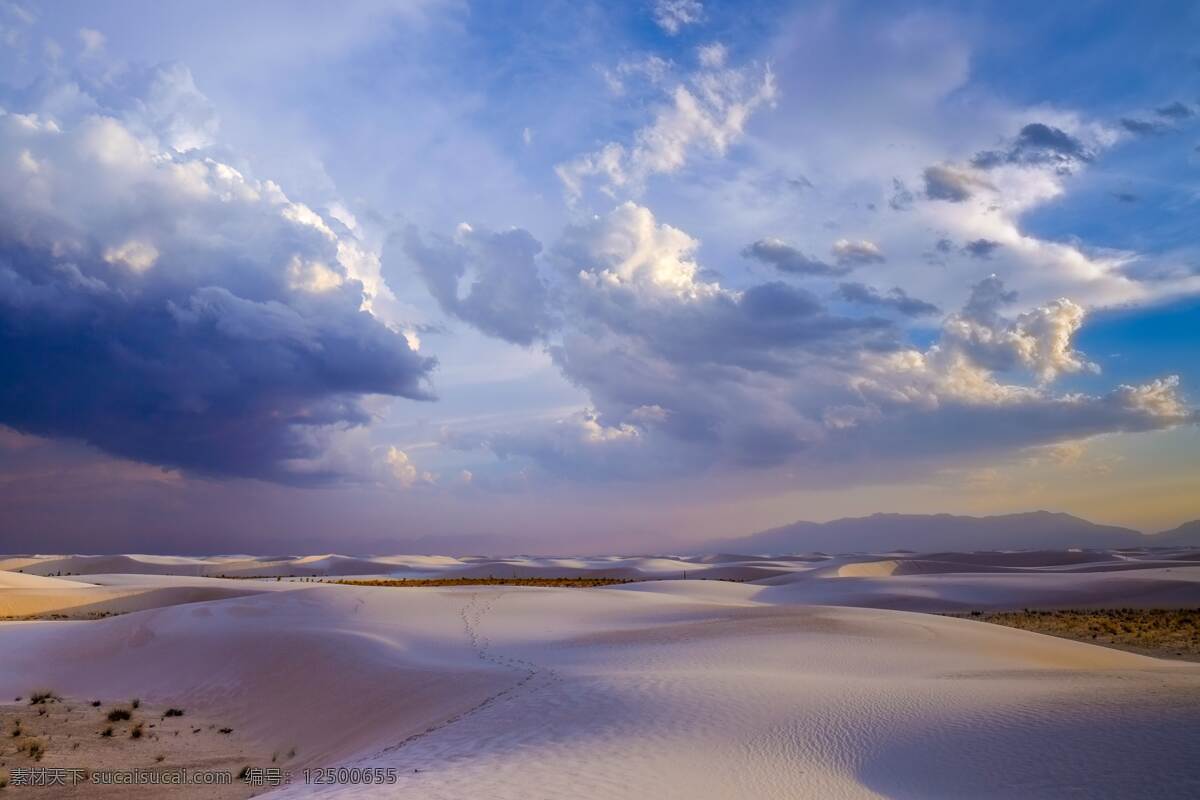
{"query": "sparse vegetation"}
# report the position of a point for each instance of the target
(34, 747)
(136, 733)
(1157, 631)
(119, 714)
(173, 712)
(136, 702)
(39, 698)
(490, 581)
(226, 730)
(107, 731)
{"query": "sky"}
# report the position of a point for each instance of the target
(439, 276)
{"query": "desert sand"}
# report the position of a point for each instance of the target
(810, 676)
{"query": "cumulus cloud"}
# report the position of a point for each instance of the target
(1036, 143)
(850, 254)
(706, 113)
(896, 299)
(684, 374)
(162, 306)
(675, 15)
(167, 104)
(947, 182)
(981, 248)
(485, 278)
(404, 472)
(1038, 340)
(786, 258)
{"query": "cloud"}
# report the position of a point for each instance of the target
(896, 299)
(685, 375)
(652, 69)
(484, 278)
(168, 105)
(1036, 143)
(848, 253)
(1038, 341)
(786, 258)
(1176, 110)
(706, 113)
(945, 182)
(901, 199)
(1141, 127)
(404, 471)
(674, 15)
(162, 306)
(981, 248)
(93, 41)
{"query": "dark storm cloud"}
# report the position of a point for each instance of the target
(159, 305)
(896, 299)
(786, 258)
(194, 377)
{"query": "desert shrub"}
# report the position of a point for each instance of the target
(173, 712)
(136, 733)
(107, 731)
(118, 714)
(39, 698)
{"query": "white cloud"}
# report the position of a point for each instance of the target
(92, 40)
(135, 254)
(686, 375)
(674, 15)
(707, 113)
(847, 252)
(404, 471)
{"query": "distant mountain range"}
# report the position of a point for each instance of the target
(1036, 530)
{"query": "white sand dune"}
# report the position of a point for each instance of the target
(669, 688)
(18, 580)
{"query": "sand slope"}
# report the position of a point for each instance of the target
(798, 679)
(696, 689)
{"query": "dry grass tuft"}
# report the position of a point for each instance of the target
(1165, 632)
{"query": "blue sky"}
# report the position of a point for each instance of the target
(591, 276)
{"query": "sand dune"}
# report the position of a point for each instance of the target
(667, 688)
